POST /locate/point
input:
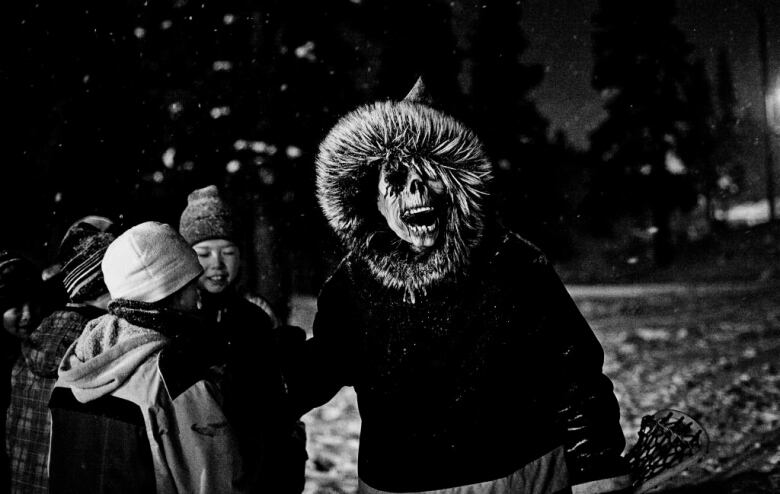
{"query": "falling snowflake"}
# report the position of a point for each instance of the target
(259, 146)
(674, 165)
(267, 176)
(293, 152)
(222, 65)
(233, 166)
(219, 111)
(306, 51)
(175, 108)
(168, 156)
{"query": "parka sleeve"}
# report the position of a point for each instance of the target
(324, 364)
(586, 404)
(199, 446)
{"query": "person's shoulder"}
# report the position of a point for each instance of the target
(60, 323)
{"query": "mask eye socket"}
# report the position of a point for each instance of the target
(395, 178)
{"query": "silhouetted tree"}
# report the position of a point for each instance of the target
(699, 141)
(412, 39)
(640, 67)
(730, 131)
(513, 130)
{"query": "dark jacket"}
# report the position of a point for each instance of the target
(469, 359)
(271, 438)
(470, 383)
(135, 411)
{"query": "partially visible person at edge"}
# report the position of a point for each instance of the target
(22, 308)
(272, 440)
(135, 409)
(35, 371)
(474, 370)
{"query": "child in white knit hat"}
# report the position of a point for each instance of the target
(135, 406)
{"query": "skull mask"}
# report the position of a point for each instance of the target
(412, 204)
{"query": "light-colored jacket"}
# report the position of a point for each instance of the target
(193, 448)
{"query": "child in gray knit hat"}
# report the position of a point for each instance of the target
(248, 340)
(209, 225)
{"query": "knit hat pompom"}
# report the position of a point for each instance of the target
(81, 253)
(19, 278)
(206, 216)
(149, 262)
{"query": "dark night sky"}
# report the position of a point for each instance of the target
(559, 33)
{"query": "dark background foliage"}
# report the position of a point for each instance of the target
(122, 108)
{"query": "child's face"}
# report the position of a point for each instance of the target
(21, 319)
(220, 260)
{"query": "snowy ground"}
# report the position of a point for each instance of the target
(711, 353)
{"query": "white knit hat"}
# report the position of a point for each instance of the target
(149, 262)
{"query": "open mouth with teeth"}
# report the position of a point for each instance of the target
(421, 219)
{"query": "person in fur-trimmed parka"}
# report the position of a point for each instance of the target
(473, 368)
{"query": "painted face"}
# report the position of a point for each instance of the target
(220, 260)
(412, 205)
(21, 319)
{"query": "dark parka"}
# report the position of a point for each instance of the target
(470, 360)
(249, 348)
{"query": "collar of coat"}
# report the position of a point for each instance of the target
(348, 166)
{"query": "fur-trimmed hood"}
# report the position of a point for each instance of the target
(436, 145)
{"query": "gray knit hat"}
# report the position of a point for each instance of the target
(206, 216)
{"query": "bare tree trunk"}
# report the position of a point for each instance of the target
(268, 265)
